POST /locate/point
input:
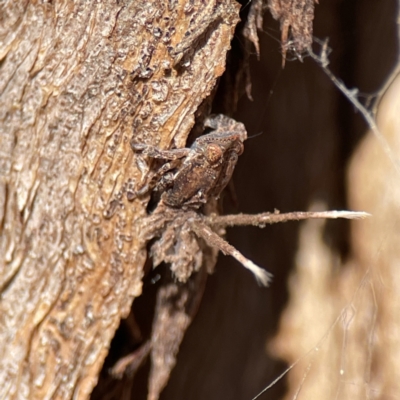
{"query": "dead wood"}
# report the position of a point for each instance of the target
(78, 80)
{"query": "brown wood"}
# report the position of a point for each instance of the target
(78, 80)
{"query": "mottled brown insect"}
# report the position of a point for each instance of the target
(189, 179)
(194, 175)
(184, 236)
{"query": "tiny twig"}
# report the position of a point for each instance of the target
(204, 232)
(260, 220)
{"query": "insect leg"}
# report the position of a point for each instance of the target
(203, 231)
(154, 152)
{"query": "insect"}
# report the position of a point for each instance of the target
(194, 175)
(181, 231)
(187, 181)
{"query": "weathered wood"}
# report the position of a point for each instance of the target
(78, 80)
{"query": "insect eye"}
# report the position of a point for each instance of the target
(240, 148)
(213, 153)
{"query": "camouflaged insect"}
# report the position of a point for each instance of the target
(189, 179)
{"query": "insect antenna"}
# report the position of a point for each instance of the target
(254, 136)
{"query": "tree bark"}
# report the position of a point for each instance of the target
(78, 81)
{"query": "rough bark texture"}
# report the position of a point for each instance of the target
(296, 22)
(77, 81)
